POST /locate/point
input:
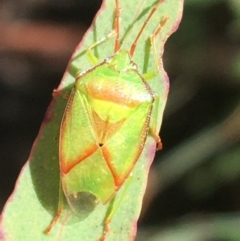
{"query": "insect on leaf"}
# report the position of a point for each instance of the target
(110, 126)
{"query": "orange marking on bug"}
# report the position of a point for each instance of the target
(107, 155)
(116, 93)
(69, 164)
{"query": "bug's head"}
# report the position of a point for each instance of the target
(121, 61)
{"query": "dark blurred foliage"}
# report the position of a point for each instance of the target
(197, 174)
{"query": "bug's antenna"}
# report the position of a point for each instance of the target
(117, 26)
(132, 49)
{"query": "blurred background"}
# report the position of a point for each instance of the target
(194, 184)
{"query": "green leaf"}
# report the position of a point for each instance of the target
(34, 201)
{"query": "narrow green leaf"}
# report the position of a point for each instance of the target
(34, 201)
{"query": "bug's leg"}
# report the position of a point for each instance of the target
(134, 45)
(116, 32)
(73, 69)
(153, 130)
(92, 58)
(157, 61)
(152, 39)
(59, 211)
(153, 74)
(117, 26)
(114, 205)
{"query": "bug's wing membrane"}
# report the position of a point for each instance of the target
(81, 159)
